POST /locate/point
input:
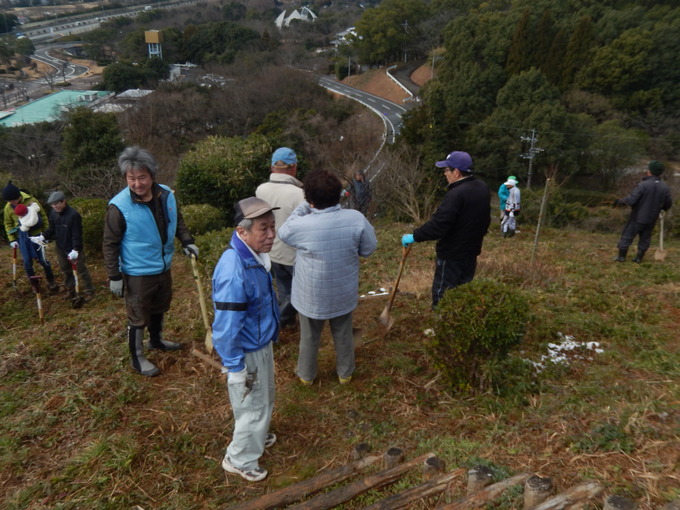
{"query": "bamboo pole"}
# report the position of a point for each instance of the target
(481, 498)
(541, 215)
(572, 498)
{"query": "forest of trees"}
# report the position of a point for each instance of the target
(595, 81)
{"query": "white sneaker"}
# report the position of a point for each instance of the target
(253, 475)
(269, 440)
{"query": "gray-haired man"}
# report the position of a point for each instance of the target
(140, 226)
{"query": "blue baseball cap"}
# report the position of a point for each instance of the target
(284, 154)
(457, 159)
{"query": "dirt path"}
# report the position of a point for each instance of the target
(376, 82)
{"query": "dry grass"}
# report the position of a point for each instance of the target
(80, 430)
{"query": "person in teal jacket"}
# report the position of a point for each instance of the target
(140, 225)
(245, 327)
(503, 193)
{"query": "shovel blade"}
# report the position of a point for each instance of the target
(659, 254)
(208, 341)
(386, 318)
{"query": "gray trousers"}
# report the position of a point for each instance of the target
(310, 340)
(252, 416)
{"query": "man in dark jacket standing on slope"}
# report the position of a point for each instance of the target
(458, 225)
(66, 228)
(648, 199)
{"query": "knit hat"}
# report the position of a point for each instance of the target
(656, 167)
(10, 192)
(57, 196)
(21, 210)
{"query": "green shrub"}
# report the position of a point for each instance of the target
(475, 326)
(221, 171)
(211, 246)
(92, 211)
(202, 218)
(559, 212)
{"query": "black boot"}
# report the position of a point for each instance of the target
(638, 257)
(622, 255)
(139, 362)
(155, 335)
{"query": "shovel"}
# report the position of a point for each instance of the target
(78, 300)
(204, 309)
(14, 270)
(660, 253)
(385, 316)
(35, 283)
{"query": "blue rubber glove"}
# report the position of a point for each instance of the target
(407, 239)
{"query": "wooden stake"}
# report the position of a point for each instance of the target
(343, 494)
(536, 491)
(619, 503)
(481, 498)
(571, 498)
(432, 468)
(360, 451)
(478, 478)
(207, 359)
(424, 490)
(305, 488)
(393, 457)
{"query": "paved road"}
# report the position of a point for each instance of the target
(390, 112)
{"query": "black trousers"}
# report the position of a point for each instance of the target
(633, 228)
(449, 274)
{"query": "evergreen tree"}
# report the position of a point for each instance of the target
(578, 51)
(520, 52)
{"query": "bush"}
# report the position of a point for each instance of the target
(212, 245)
(221, 171)
(559, 212)
(475, 326)
(202, 218)
(92, 211)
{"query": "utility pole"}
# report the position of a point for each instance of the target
(533, 151)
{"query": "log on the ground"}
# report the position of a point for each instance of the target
(347, 492)
(574, 496)
(430, 488)
(478, 478)
(614, 502)
(536, 490)
(306, 488)
(481, 498)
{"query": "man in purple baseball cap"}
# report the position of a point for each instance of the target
(458, 225)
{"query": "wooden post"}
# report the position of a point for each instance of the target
(575, 496)
(305, 488)
(541, 214)
(536, 491)
(360, 451)
(482, 497)
(432, 467)
(342, 494)
(478, 478)
(614, 502)
(419, 492)
(393, 457)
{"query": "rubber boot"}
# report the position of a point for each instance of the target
(622, 255)
(638, 257)
(155, 335)
(138, 361)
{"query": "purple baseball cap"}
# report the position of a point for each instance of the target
(457, 159)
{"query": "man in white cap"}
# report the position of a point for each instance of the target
(511, 209)
(458, 225)
(245, 327)
(283, 191)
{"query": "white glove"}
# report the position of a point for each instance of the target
(237, 377)
(191, 249)
(14, 244)
(512, 214)
(116, 287)
(39, 239)
(73, 256)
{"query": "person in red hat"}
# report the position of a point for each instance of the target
(24, 220)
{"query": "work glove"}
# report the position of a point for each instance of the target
(73, 256)
(116, 287)
(14, 244)
(237, 377)
(39, 239)
(407, 239)
(512, 214)
(191, 249)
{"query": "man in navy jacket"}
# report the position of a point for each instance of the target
(458, 225)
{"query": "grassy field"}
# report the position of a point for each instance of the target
(79, 429)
